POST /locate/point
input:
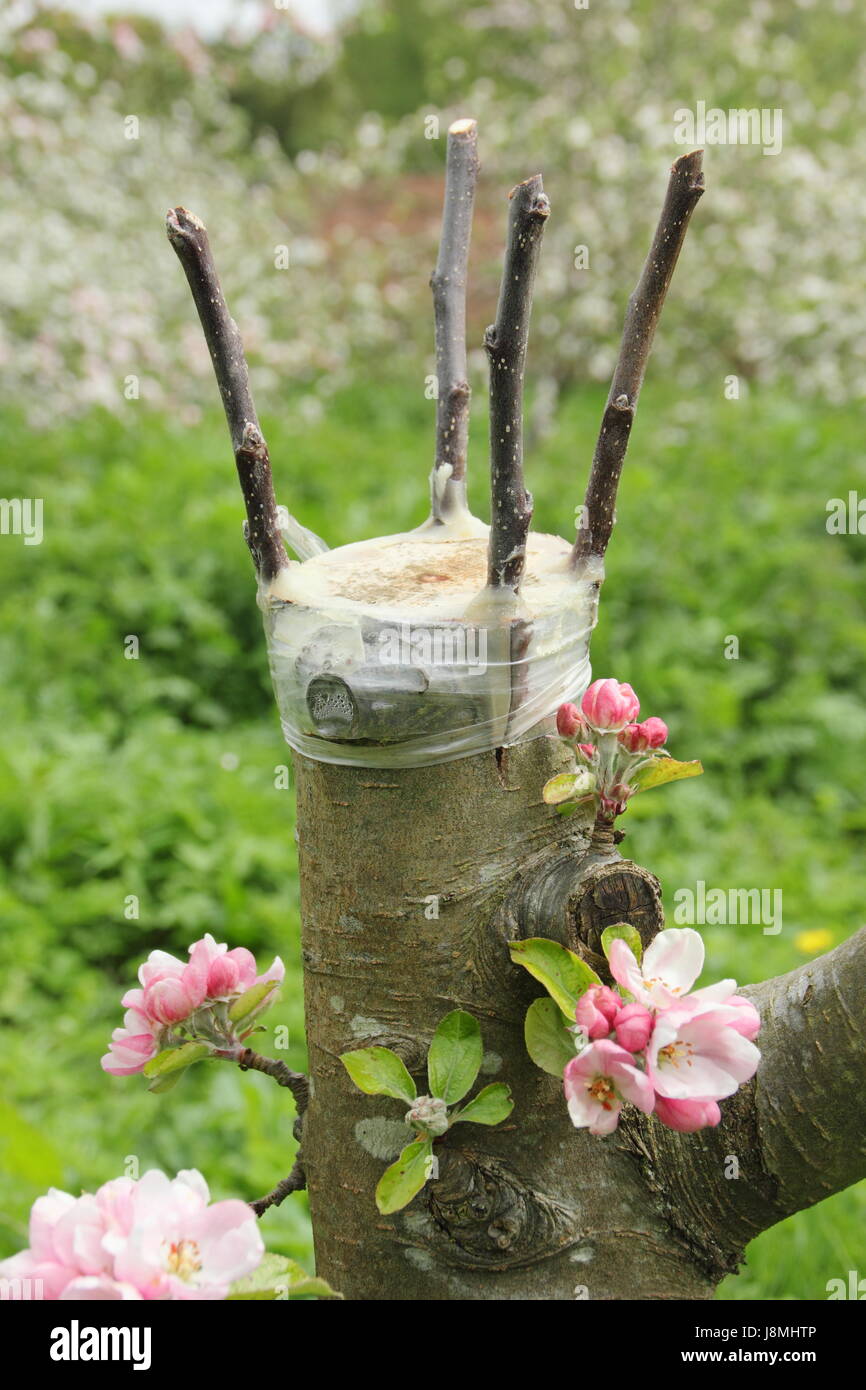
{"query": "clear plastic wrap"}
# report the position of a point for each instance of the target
(393, 653)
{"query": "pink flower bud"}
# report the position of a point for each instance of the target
(166, 1001)
(568, 721)
(633, 1025)
(597, 1009)
(748, 1021)
(609, 705)
(587, 749)
(222, 977)
(687, 1115)
(655, 731)
(632, 738)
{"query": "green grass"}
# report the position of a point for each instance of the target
(156, 777)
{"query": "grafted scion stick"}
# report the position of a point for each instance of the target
(448, 283)
(505, 341)
(685, 187)
(189, 238)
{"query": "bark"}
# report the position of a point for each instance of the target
(532, 1209)
(685, 186)
(506, 341)
(188, 237)
(448, 283)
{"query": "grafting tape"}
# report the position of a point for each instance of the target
(393, 653)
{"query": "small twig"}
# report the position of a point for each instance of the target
(295, 1182)
(685, 187)
(505, 341)
(448, 283)
(189, 238)
(296, 1081)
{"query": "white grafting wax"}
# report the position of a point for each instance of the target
(392, 652)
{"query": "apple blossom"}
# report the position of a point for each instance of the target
(699, 1056)
(178, 1002)
(627, 757)
(747, 1020)
(598, 1081)
(569, 721)
(655, 731)
(687, 1116)
(596, 1010)
(609, 705)
(166, 1001)
(633, 1026)
(152, 1239)
(637, 738)
(671, 964)
(128, 1053)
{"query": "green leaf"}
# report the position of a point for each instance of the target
(548, 1041)
(564, 975)
(622, 931)
(455, 1056)
(279, 1277)
(491, 1106)
(571, 808)
(176, 1058)
(568, 786)
(377, 1071)
(164, 1083)
(399, 1183)
(250, 1002)
(661, 770)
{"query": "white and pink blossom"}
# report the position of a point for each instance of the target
(599, 1081)
(177, 999)
(157, 1238)
(699, 1056)
(671, 964)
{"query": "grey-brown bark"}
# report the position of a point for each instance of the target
(506, 341)
(685, 186)
(188, 237)
(532, 1209)
(448, 283)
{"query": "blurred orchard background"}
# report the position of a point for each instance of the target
(152, 785)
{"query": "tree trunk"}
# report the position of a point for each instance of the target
(531, 1209)
(413, 881)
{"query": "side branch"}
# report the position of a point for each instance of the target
(295, 1182)
(797, 1131)
(642, 315)
(448, 283)
(189, 238)
(505, 341)
(296, 1081)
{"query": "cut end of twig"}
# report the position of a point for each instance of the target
(533, 197)
(691, 165)
(465, 126)
(180, 223)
